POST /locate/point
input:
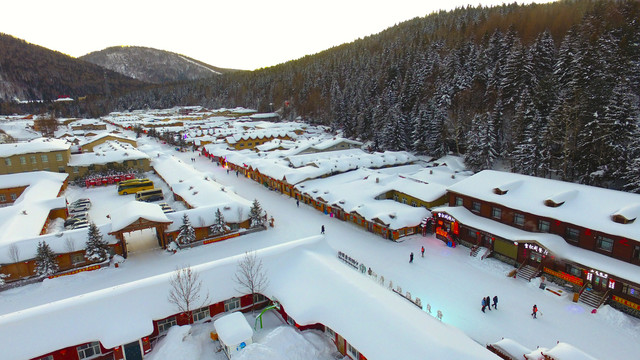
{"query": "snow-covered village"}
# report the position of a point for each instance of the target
(191, 233)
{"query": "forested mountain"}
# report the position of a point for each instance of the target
(31, 72)
(550, 89)
(152, 65)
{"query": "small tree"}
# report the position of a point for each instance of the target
(220, 225)
(250, 275)
(187, 232)
(185, 291)
(45, 260)
(256, 214)
(2, 276)
(97, 248)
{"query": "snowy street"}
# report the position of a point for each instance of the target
(447, 279)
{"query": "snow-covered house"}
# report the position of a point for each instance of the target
(41, 154)
(234, 333)
(112, 154)
(578, 235)
(249, 140)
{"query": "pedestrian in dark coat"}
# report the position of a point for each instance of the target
(422, 250)
(298, 203)
(484, 303)
(236, 173)
(534, 313)
(322, 229)
(411, 258)
(488, 303)
(495, 302)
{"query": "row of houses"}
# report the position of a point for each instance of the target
(314, 288)
(583, 237)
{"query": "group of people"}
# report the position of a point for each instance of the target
(411, 255)
(486, 303)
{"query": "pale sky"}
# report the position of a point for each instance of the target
(238, 34)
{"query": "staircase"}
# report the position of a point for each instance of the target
(591, 298)
(475, 250)
(527, 272)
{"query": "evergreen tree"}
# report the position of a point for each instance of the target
(97, 248)
(2, 277)
(219, 226)
(480, 153)
(256, 214)
(187, 233)
(45, 260)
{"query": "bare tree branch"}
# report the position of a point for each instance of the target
(185, 290)
(14, 253)
(250, 275)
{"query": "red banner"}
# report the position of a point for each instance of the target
(564, 276)
(626, 302)
(90, 268)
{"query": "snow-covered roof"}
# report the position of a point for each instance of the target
(135, 210)
(554, 243)
(586, 206)
(260, 134)
(33, 146)
(104, 135)
(305, 276)
(511, 348)
(233, 329)
(28, 214)
(109, 151)
(199, 189)
(564, 351)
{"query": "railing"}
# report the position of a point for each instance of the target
(521, 266)
(604, 298)
(486, 254)
(582, 289)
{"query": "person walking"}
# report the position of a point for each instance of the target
(236, 173)
(534, 313)
(322, 229)
(297, 203)
(410, 258)
(422, 251)
(484, 303)
(488, 302)
(495, 302)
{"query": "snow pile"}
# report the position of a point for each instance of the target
(186, 342)
(287, 343)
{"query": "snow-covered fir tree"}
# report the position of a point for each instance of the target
(219, 226)
(96, 249)
(256, 215)
(2, 277)
(45, 260)
(187, 233)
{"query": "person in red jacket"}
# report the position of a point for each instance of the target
(535, 312)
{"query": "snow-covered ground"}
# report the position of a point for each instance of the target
(447, 279)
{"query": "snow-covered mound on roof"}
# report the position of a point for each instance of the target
(135, 210)
(33, 146)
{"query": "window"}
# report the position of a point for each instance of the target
(518, 219)
(472, 233)
(604, 243)
(48, 357)
(89, 350)
(631, 290)
(7, 161)
(2, 198)
(572, 234)
(413, 203)
(200, 313)
(23, 161)
(543, 225)
(330, 333)
(475, 206)
(60, 169)
(636, 252)
(258, 298)
(458, 201)
(353, 352)
(77, 258)
(33, 159)
(231, 304)
(14, 197)
(44, 158)
(164, 325)
(395, 197)
(58, 157)
(496, 213)
(76, 170)
(404, 201)
(575, 271)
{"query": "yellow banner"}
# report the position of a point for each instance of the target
(220, 238)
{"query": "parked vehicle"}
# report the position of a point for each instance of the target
(150, 195)
(133, 186)
(80, 225)
(166, 208)
(83, 201)
(74, 218)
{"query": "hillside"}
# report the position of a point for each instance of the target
(152, 65)
(32, 72)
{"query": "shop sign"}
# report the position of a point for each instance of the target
(564, 276)
(536, 248)
(597, 273)
(440, 231)
(445, 217)
(90, 268)
(625, 302)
